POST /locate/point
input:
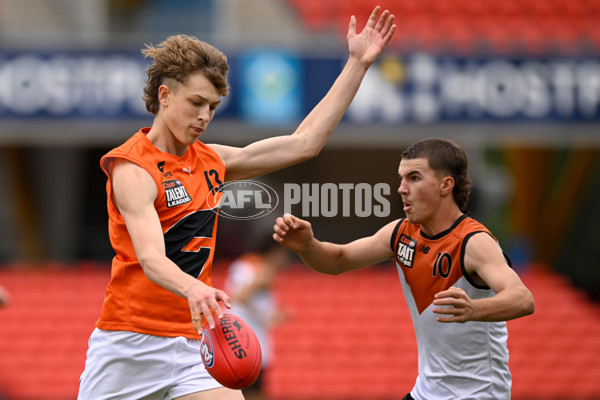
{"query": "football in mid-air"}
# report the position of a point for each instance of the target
(231, 352)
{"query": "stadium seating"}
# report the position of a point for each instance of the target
(466, 25)
(43, 334)
(348, 337)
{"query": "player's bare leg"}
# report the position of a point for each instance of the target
(214, 394)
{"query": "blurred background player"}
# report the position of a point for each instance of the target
(456, 280)
(250, 283)
(4, 297)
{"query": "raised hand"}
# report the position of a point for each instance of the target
(368, 44)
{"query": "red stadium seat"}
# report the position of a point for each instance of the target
(453, 21)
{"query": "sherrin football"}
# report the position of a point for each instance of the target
(231, 352)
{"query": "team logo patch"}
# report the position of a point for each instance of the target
(161, 168)
(176, 193)
(406, 250)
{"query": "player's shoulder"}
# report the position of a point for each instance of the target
(389, 232)
(403, 224)
(134, 141)
(469, 220)
(126, 166)
(124, 151)
(477, 238)
(211, 151)
(470, 226)
(390, 226)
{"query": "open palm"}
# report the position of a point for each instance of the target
(368, 44)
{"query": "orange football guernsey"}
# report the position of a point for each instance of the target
(187, 206)
(456, 361)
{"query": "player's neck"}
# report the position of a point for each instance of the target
(443, 219)
(164, 140)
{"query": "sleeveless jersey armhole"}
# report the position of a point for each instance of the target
(462, 261)
(395, 233)
(106, 164)
(109, 162)
(214, 152)
(132, 160)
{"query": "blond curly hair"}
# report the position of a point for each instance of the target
(178, 57)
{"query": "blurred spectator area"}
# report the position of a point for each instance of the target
(334, 346)
(471, 25)
(436, 25)
(127, 23)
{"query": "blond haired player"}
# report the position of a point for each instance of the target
(146, 343)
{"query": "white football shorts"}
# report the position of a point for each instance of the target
(127, 365)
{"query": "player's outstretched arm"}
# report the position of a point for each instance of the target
(485, 262)
(329, 258)
(311, 135)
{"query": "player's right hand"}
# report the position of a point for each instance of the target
(293, 232)
(204, 300)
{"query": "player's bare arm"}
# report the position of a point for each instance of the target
(311, 135)
(329, 258)
(485, 262)
(134, 194)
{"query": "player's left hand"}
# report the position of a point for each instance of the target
(367, 45)
(457, 305)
